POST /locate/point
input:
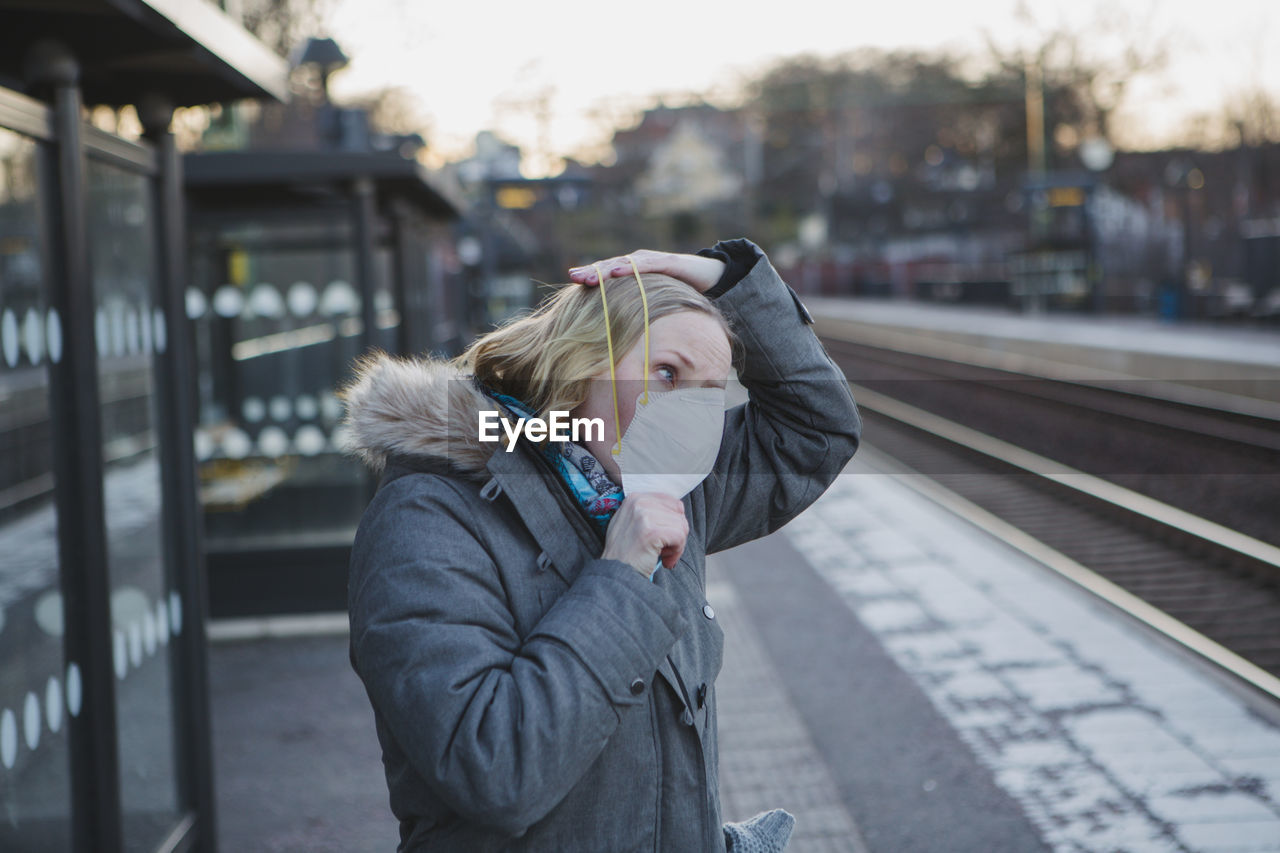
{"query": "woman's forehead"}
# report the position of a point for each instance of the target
(695, 338)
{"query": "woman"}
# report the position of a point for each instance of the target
(538, 682)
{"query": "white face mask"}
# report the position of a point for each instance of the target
(674, 436)
(672, 441)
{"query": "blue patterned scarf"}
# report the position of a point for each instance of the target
(581, 472)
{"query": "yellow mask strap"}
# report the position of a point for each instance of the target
(613, 378)
(644, 301)
(608, 336)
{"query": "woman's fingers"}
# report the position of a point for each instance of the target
(591, 273)
(646, 260)
(648, 526)
(698, 272)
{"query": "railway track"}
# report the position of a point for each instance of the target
(1057, 465)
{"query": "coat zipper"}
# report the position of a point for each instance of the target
(657, 754)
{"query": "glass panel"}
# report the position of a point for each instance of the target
(277, 319)
(36, 683)
(145, 611)
(386, 313)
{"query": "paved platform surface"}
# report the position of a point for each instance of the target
(1238, 344)
(894, 677)
(1105, 737)
(1242, 361)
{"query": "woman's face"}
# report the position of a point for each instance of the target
(686, 349)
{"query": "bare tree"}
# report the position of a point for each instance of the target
(1092, 66)
(393, 109)
(283, 24)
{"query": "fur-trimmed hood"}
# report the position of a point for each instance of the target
(417, 407)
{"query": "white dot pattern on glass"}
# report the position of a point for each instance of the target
(236, 443)
(8, 738)
(331, 407)
(53, 704)
(338, 299)
(309, 440)
(202, 444)
(196, 303)
(265, 301)
(144, 332)
(9, 341)
(281, 408)
(273, 441)
(149, 632)
(159, 330)
(102, 332)
(120, 654)
(53, 335)
(31, 722)
(134, 633)
(132, 333)
(340, 439)
(302, 299)
(253, 409)
(73, 689)
(117, 332)
(143, 634)
(175, 613)
(33, 336)
(162, 622)
(306, 407)
(141, 630)
(47, 613)
(228, 301)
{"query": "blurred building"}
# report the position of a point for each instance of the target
(682, 177)
(104, 734)
(521, 230)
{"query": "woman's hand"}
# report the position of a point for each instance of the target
(694, 270)
(647, 526)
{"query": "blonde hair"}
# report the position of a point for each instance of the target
(546, 358)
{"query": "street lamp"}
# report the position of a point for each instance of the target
(1097, 155)
(1182, 175)
(325, 55)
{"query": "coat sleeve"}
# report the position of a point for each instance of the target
(785, 445)
(499, 727)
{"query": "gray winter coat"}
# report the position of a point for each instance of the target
(529, 695)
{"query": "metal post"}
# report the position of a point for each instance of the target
(362, 192)
(403, 243)
(1094, 269)
(1036, 160)
(78, 466)
(177, 379)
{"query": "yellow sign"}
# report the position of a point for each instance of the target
(1066, 197)
(516, 198)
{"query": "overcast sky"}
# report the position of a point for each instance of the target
(485, 65)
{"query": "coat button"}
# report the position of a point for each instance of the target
(637, 686)
(708, 611)
(687, 717)
(702, 694)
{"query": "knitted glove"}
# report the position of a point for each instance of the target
(767, 832)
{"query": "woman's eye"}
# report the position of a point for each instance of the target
(668, 374)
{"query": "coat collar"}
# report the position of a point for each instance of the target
(544, 507)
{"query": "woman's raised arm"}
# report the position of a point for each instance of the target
(785, 446)
(799, 428)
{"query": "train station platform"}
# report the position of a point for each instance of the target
(1233, 360)
(894, 676)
